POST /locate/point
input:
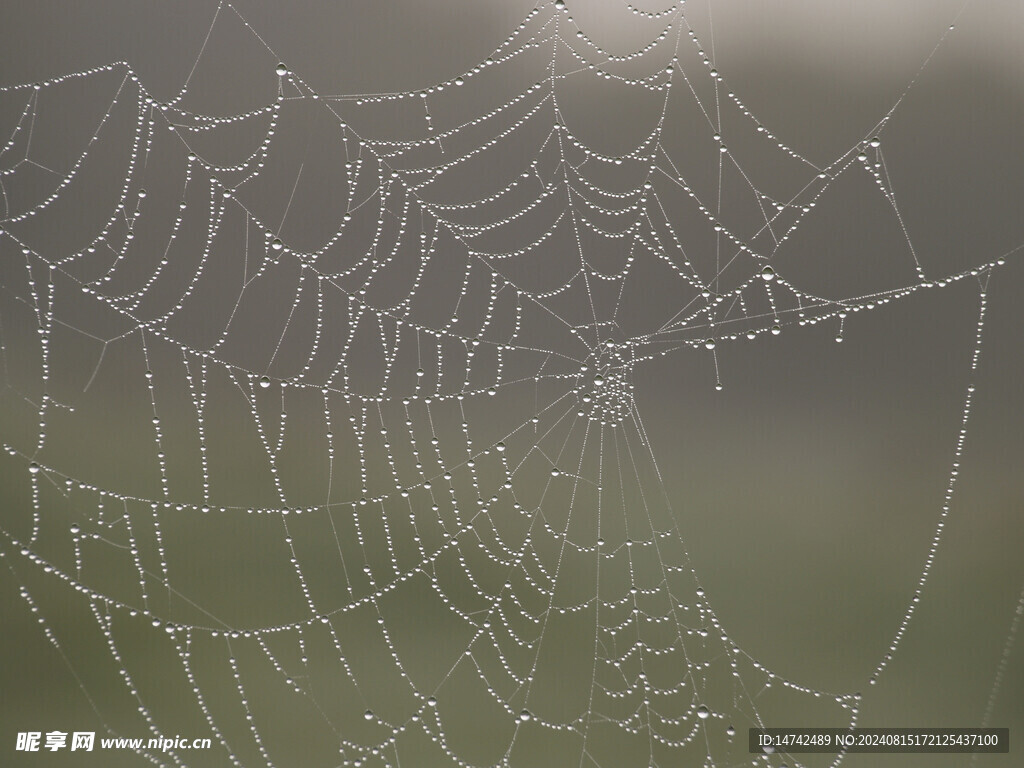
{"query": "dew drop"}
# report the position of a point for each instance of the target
(768, 274)
(368, 714)
(265, 381)
(282, 70)
(703, 712)
(276, 244)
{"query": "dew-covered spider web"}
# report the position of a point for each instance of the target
(380, 491)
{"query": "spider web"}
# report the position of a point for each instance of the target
(415, 432)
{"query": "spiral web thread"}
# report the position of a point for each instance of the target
(463, 373)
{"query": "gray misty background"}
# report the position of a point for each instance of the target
(807, 490)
